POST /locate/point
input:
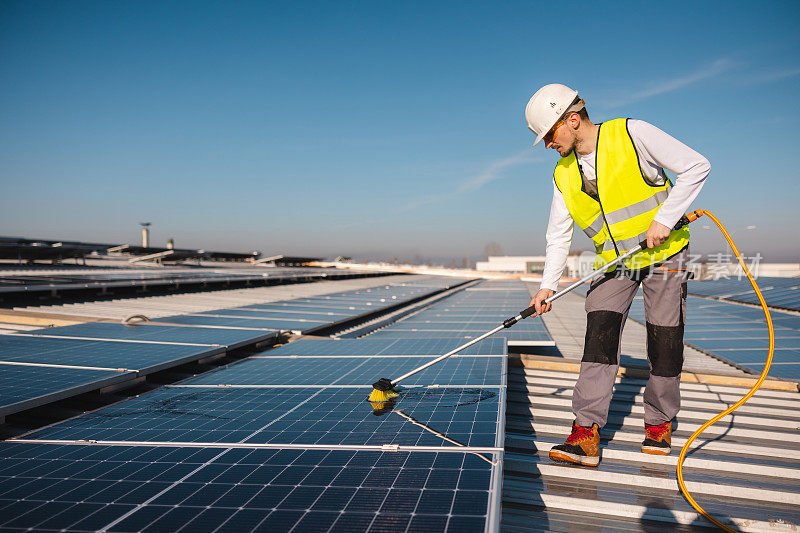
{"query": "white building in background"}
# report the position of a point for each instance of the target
(577, 262)
(531, 264)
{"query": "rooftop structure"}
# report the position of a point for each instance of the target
(272, 431)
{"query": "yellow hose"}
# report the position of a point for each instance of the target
(746, 397)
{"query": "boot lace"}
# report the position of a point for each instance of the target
(579, 433)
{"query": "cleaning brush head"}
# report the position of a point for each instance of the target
(377, 395)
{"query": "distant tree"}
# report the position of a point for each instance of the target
(493, 248)
(465, 263)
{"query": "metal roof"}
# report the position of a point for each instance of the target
(745, 470)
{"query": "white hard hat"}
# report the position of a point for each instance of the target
(547, 106)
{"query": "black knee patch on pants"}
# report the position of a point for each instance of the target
(665, 349)
(602, 337)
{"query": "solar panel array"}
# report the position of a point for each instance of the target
(778, 292)
(471, 313)
(738, 334)
(24, 282)
(285, 440)
(307, 315)
(94, 355)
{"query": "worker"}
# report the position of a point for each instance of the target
(612, 180)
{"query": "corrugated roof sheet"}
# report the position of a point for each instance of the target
(745, 469)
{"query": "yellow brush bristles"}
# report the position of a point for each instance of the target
(382, 396)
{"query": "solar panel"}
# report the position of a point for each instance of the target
(26, 387)
(92, 487)
(145, 358)
(232, 338)
(739, 334)
(258, 317)
(369, 347)
(459, 371)
(309, 416)
(780, 292)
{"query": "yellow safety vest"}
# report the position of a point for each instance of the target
(627, 202)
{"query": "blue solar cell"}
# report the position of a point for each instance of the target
(143, 357)
(26, 387)
(714, 345)
(231, 338)
(362, 371)
(91, 487)
(327, 416)
(785, 370)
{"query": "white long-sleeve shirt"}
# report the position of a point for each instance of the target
(657, 151)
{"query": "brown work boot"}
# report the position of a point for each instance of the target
(582, 446)
(658, 439)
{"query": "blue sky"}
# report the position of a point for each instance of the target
(374, 128)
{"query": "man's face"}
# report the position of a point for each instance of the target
(563, 139)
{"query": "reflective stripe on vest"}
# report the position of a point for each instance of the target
(627, 201)
(623, 245)
(595, 227)
(639, 208)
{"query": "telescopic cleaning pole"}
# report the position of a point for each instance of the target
(385, 384)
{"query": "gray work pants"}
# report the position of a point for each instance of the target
(607, 304)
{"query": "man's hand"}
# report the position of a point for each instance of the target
(657, 234)
(540, 297)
